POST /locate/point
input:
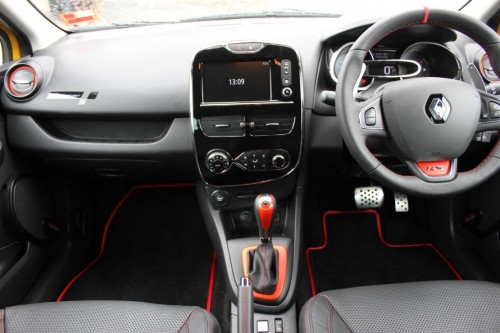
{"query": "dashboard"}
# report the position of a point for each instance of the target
(141, 102)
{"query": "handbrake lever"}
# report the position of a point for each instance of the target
(245, 306)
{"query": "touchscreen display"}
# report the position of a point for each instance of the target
(243, 81)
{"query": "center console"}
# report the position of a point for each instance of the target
(247, 121)
(246, 112)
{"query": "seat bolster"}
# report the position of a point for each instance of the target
(106, 316)
(319, 316)
(430, 306)
(200, 321)
(2, 320)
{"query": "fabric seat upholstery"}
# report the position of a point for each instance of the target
(436, 306)
(106, 316)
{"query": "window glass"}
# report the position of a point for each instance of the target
(75, 15)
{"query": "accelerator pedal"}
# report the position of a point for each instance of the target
(369, 197)
(401, 203)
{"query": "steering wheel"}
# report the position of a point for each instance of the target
(429, 122)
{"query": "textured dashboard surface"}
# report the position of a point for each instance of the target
(146, 70)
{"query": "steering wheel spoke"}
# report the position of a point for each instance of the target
(434, 171)
(489, 119)
(370, 117)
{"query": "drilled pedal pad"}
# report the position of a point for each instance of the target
(369, 197)
(401, 202)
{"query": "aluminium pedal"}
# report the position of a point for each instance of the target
(369, 197)
(401, 203)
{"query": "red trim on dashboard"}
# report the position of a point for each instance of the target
(426, 15)
(106, 228)
(211, 283)
(380, 236)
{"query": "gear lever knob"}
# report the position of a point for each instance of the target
(265, 207)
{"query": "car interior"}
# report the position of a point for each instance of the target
(277, 172)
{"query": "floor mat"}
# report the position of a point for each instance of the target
(355, 253)
(220, 306)
(155, 248)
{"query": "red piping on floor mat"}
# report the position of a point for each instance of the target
(108, 223)
(380, 236)
(211, 283)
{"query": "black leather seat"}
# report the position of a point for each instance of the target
(438, 306)
(106, 316)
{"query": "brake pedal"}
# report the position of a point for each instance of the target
(369, 197)
(401, 203)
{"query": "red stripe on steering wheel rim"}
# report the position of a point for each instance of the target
(426, 15)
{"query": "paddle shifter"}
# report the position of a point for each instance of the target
(263, 270)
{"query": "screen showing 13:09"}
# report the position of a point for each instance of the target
(243, 81)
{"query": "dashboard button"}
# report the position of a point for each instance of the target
(370, 113)
(264, 160)
(253, 47)
(370, 121)
(370, 117)
(286, 73)
(494, 110)
(220, 198)
(245, 47)
(486, 137)
(218, 161)
(278, 161)
(278, 325)
(262, 326)
(287, 92)
(246, 217)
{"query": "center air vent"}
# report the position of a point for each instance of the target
(23, 80)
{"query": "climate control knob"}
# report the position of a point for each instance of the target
(218, 161)
(278, 161)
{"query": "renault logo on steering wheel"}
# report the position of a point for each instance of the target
(438, 109)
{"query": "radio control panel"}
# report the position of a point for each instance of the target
(219, 161)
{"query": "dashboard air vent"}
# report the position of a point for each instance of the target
(23, 80)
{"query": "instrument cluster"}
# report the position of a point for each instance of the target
(382, 64)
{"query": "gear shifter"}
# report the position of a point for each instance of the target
(265, 207)
(263, 270)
